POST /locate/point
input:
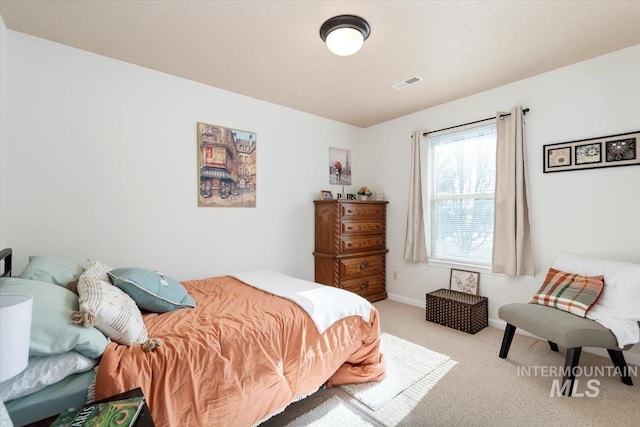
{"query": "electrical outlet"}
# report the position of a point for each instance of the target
(395, 275)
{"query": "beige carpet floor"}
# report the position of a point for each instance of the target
(484, 390)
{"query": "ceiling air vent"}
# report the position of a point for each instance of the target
(407, 82)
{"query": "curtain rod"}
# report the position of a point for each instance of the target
(524, 111)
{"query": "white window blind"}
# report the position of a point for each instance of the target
(460, 186)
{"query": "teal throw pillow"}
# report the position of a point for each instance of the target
(151, 290)
(51, 329)
(51, 270)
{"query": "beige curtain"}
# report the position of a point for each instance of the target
(415, 247)
(512, 247)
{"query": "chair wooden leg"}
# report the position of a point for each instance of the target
(618, 360)
(509, 331)
(553, 346)
(571, 361)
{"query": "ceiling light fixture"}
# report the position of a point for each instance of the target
(345, 34)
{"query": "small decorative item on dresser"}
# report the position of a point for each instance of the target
(364, 193)
(457, 310)
(326, 195)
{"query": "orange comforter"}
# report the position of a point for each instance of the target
(240, 356)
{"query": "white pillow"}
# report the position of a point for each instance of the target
(618, 307)
(43, 371)
(97, 270)
(117, 315)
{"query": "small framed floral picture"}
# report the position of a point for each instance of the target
(464, 281)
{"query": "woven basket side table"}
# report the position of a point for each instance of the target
(457, 310)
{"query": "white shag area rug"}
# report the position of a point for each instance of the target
(407, 363)
(333, 412)
(412, 371)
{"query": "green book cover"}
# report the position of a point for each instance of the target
(118, 413)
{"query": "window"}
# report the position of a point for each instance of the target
(460, 187)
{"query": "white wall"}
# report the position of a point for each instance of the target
(3, 121)
(103, 165)
(591, 212)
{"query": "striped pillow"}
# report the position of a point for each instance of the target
(97, 270)
(116, 313)
(569, 292)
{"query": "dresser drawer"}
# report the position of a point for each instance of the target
(361, 211)
(361, 227)
(350, 268)
(361, 243)
(365, 286)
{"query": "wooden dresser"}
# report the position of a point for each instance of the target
(350, 246)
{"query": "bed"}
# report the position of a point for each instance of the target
(236, 355)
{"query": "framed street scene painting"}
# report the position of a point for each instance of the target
(226, 167)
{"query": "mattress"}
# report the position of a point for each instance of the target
(70, 392)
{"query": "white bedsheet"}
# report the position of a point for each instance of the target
(324, 304)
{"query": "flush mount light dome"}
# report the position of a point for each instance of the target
(345, 34)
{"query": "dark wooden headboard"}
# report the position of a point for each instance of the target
(6, 255)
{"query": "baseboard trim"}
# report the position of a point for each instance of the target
(408, 301)
(631, 357)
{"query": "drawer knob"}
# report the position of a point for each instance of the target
(364, 286)
(364, 266)
(348, 210)
(349, 228)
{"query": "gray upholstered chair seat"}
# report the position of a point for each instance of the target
(560, 327)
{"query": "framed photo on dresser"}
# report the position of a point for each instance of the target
(326, 195)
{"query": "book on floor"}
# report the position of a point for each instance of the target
(121, 413)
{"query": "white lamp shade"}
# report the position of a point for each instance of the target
(344, 41)
(15, 332)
